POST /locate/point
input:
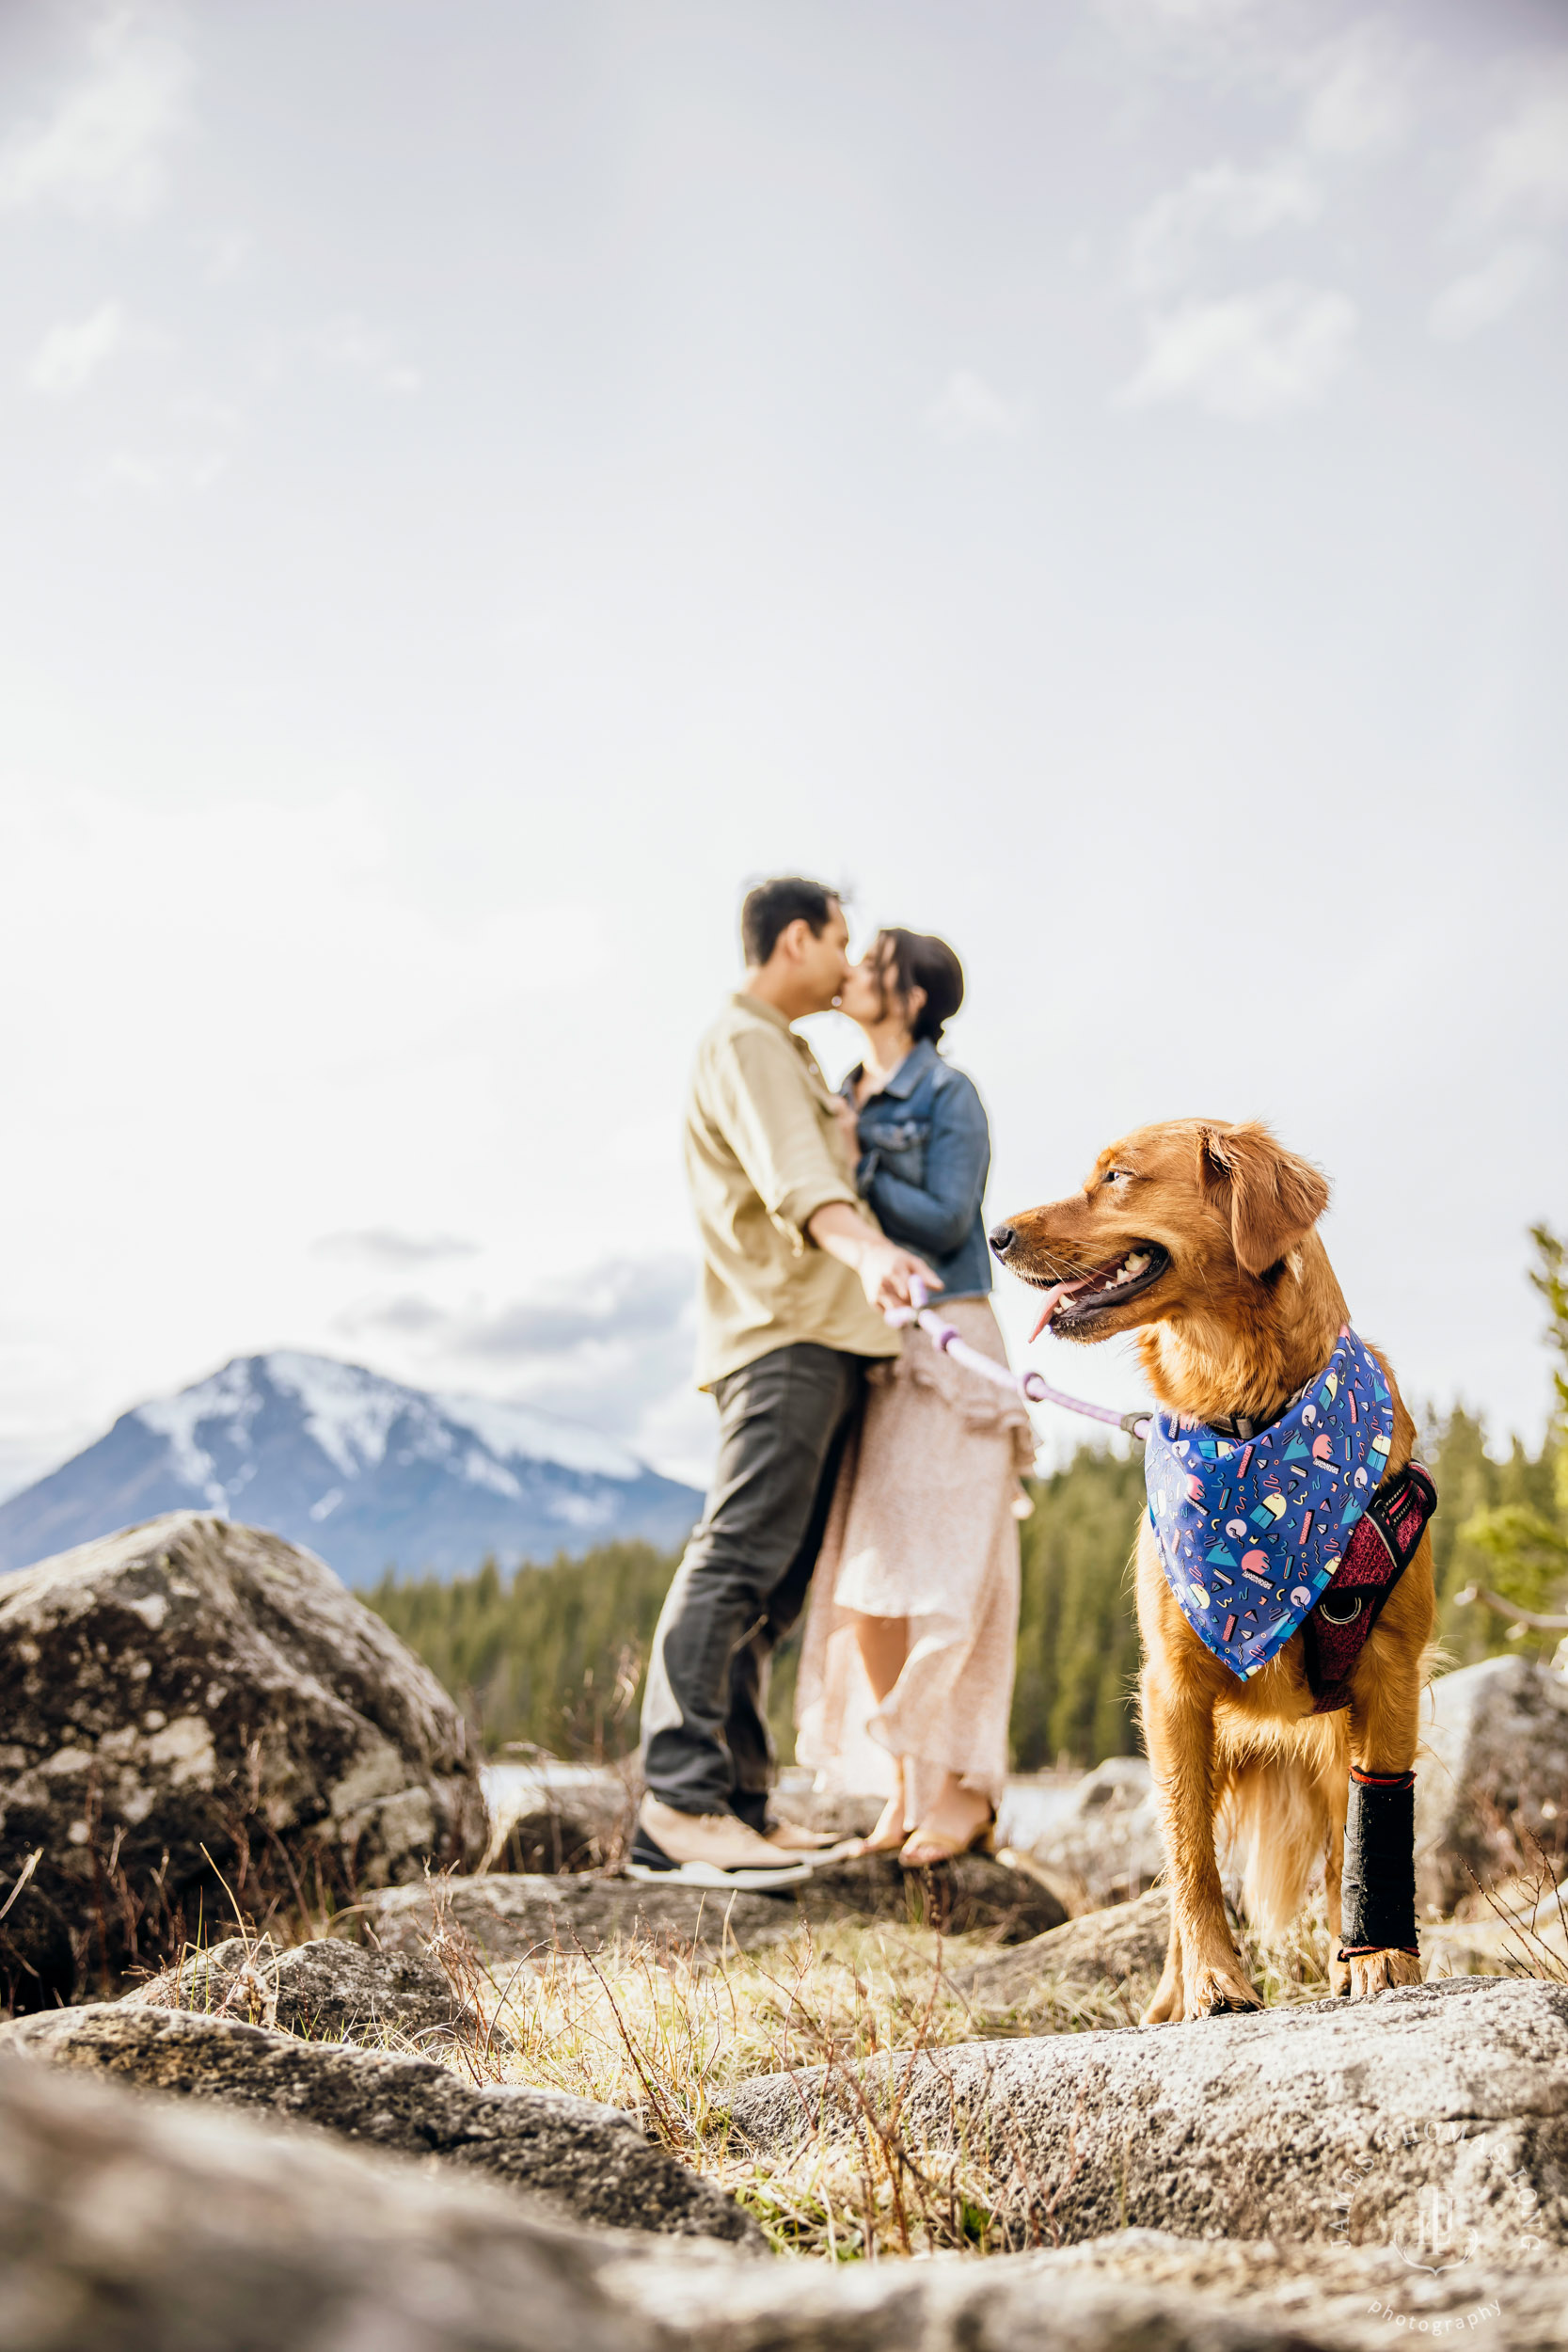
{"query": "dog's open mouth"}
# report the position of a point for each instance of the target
(1069, 1306)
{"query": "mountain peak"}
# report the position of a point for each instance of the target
(364, 1468)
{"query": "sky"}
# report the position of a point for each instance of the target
(483, 481)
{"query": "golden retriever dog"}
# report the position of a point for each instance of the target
(1201, 1237)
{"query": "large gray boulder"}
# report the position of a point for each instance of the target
(137, 2224)
(576, 2158)
(1440, 2106)
(194, 1684)
(1491, 1782)
(332, 1992)
(130, 2224)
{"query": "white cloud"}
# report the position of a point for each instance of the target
(385, 1245)
(1248, 356)
(1525, 167)
(1219, 201)
(70, 356)
(101, 149)
(1489, 292)
(1361, 92)
(967, 410)
(348, 342)
(611, 1342)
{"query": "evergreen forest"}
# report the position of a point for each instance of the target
(551, 1657)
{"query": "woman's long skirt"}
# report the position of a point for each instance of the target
(924, 1527)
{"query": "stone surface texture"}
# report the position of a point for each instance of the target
(193, 1683)
(1491, 1782)
(576, 2158)
(1125, 1944)
(1343, 2122)
(330, 1991)
(136, 2224)
(1131, 2291)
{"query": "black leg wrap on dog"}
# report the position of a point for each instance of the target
(1379, 1883)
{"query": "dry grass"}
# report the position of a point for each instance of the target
(668, 2034)
(649, 2028)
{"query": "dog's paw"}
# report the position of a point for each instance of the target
(1376, 1972)
(1215, 1991)
(1338, 1978)
(1166, 2004)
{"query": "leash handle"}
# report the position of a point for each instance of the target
(1032, 1386)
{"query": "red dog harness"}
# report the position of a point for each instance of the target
(1380, 1549)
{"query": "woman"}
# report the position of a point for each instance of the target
(907, 1671)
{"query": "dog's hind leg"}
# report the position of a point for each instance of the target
(1203, 1973)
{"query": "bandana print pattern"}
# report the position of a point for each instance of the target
(1251, 1532)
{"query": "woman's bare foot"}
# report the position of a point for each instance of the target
(889, 1834)
(957, 1820)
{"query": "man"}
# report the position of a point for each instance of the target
(793, 1275)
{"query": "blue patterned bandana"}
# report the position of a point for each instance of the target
(1251, 1530)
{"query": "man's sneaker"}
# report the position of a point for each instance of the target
(674, 1849)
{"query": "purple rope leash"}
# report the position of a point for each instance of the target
(1029, 1384)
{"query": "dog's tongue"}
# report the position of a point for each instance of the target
(1056, 1291)
(1053, 1297)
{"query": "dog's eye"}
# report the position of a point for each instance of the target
(1115, 1176)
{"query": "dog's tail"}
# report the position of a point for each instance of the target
(1279, 1823)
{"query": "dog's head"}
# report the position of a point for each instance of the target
(1185, 1223)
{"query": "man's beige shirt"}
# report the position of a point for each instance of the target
(763, 1155)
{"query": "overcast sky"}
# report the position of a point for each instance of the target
(483, 481)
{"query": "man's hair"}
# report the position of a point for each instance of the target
(772, 906)
(920, 960)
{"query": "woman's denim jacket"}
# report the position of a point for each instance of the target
(925, 1158)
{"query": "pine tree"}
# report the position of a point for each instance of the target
(1521, 1539)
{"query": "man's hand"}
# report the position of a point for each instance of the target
(885, 1270)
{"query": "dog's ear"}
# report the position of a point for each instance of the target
(1274, 1199)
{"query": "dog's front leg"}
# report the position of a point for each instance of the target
(1203, 1973)
(1334, 1863)
(1379, 1892)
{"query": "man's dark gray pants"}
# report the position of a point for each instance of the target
(784, 1421)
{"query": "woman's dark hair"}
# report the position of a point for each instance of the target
(772, 906)
(919, 960)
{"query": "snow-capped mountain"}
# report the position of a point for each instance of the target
(365, 1471)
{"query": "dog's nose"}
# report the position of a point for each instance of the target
(1002, 1238)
